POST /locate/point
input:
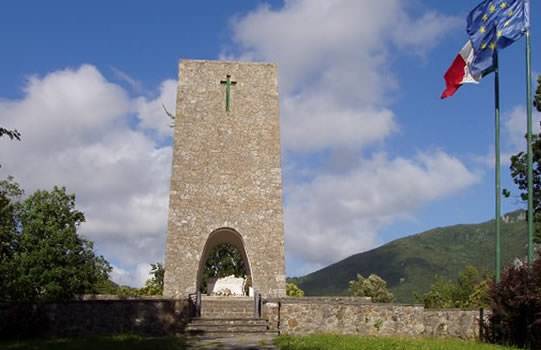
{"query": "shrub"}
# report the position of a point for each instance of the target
(516, 307)
(373, 286)
(469, 291)
(292, 290)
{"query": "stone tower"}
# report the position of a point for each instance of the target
(226, 183)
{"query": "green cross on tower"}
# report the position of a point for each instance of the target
(228, 82)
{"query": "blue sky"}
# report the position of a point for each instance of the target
(370, 152)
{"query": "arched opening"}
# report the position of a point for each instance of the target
(224, 255)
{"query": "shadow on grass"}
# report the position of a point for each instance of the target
(120, 342)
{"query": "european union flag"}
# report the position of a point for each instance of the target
(495, 24)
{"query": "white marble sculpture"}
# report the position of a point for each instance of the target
(226, 286)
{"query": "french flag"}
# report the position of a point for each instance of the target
(459, 71)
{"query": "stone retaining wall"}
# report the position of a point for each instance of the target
(295, 316)
(300, 316)
(98, 316)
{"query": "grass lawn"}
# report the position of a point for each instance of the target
(340, 342)
(316, 342)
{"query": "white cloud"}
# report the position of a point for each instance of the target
(78, 131)
(512, 138)
(336, 82)
(335, 69)
(151, 111)
(134, 278)
(334, 216)
(515, 126)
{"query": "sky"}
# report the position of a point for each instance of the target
(369, 151)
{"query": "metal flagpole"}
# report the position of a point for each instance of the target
(530, 151)
(497, 164)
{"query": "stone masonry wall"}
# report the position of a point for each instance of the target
(301, 316)
(295, 316)
(145, 316)
(226, 174)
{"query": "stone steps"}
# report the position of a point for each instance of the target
(229, 321)
(227, 309)
(227, 327)
(221, 317)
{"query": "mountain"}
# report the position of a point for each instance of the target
(410, 264)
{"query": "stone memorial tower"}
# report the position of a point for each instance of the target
(226, 183)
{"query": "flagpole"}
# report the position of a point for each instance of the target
(529, 140)
(497, 164)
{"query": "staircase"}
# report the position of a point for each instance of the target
(227, 317)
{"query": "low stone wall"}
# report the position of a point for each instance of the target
(295, 316)
(300, 316)
(456, 323)
(97, 316)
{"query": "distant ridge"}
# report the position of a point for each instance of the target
(411, 264)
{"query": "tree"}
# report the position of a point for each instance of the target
(470, 290)
(50, 261)
(10, 195)
(537, 98)
(292, 290)
(154, 285)
(519, 171)
(373, 286)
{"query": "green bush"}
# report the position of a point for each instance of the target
(516, 307)
(374, 287)
(292, 290)
(469, 291)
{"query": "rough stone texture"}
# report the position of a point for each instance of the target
(295, 316)
(226, 183)
(452, 323)
(347, 316)
(96, 317)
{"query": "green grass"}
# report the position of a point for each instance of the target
(120, 342)
(340, 342)
(314, 342)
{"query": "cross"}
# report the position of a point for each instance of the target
(228, 82)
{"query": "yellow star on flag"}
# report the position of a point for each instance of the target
(499, 34)
(510, 13)
(503, 5)
(493, 46)
(507, 23)
(492, 8)
(483, 46)
(485, 17)
(482, 29)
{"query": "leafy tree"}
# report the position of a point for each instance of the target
(537, 98)
(154, 285)
(10, 194)
(470, 290)
(49, 261)
(373, 286)
(292, 290)
(519, 171)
